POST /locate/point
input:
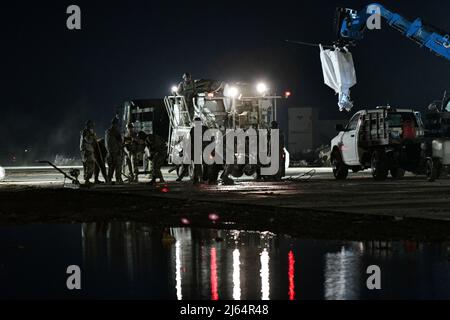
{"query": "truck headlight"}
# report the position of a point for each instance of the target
(174, 89)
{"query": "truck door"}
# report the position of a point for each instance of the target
(349, 147)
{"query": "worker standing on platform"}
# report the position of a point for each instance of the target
(186, 88)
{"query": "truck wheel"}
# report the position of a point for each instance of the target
(379, 166)
(432, 169)
(195, 172)
(397, 173)
(238, 171)
(340, 170)
(179, 170)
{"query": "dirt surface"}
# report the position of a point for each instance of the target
(162, 205)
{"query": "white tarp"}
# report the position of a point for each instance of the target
(339, 74)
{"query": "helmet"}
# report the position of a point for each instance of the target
(130, 125)
(186, 76)
(274, 125)
(89, 124)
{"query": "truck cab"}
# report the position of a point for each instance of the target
(385, 139)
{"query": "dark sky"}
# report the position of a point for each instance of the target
(53, 79)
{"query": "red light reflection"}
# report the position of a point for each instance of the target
(214, 293)
(291, 273)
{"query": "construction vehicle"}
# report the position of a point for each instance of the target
(436, 147)
(351, 24)
(222, 106)
(385, 139)
(148, 116)
(368, 138)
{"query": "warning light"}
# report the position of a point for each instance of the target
(165, 189)
(213, 217)
(287, 94)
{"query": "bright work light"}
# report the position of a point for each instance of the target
(261, 88)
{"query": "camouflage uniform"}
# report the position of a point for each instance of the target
(158, 153)
(87, 142)
(135, 147)
(114, 146)
(100, 159)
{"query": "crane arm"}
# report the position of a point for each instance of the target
(351, 25)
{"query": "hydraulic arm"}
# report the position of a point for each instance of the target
(352, 24)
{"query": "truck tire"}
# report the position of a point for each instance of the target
(192, 174)
(432, 169)
(340, 170)
(397, 173)
(179, 170)
(379, 165)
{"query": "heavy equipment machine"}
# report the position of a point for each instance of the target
(222, 106)
(434, 154)
(436, 145)
(351, 25)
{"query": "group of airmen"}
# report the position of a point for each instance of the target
(116, 149)
(135, 147)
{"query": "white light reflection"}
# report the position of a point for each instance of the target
(2, 173)
(264, 272)
(341, 275)
(178, 270)
(236, 275)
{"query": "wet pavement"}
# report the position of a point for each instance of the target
(303, 189)
(134, 260)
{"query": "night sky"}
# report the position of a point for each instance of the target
(53, 79)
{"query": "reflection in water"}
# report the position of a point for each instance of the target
(178, 270)
(214, 293)
(131, 255)
(265, 284)
(291, 275)
(341, 275)
(133, 260)
(236, 275)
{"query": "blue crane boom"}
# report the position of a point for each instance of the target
(351, 25)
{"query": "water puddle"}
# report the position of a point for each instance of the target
(133, 260)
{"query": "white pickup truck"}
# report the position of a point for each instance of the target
(386, 140)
